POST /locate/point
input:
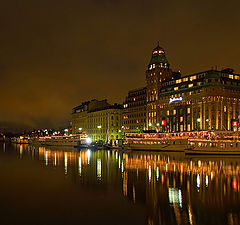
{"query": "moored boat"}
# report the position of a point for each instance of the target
(159, 141)
(214, 145)
(20, 140)
(66, 140)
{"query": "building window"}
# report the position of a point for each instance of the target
(181, 118)
(174, 112)
(167, 112)
(178, 81)
(181, 127)
(193, 78)
(231, 76)
(175, 88)
(190, 85)
(188, 110)
(188, 127)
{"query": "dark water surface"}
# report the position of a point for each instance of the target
(63, 186)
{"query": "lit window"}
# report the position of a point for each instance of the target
(181, 118)
(175, 88)
(178, 81)
(168, 112)
(188, 127)
(181, 127)
(225, 108)
(231, 76)
(193, 78)
(188, 110)
(190, 85)
(237, 77)
(174, 112)
(185, 79)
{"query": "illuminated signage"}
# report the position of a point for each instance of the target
(175, 99)
(163, 122)
(234, 123)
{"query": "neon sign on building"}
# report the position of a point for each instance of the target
(175, 99)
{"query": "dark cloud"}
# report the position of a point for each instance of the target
(55, 54)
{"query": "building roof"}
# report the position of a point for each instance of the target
(158, 56)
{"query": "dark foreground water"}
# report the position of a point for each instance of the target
(62, 186)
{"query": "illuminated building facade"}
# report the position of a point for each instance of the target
(99, 119)
(134, 111)
(157, 73)
(208, 100)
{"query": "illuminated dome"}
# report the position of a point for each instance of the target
(158, 58)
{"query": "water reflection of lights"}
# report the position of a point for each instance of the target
(80, 166)
(175, 196)
(198, 181)
(157, 173)
(211, 168)
(190, 215)
(119, 162)
(234, 184)
(125, 182)
(21, 150)
(134, 194)
(206, 181)
(65, 163)
(88, 156)
(46, 158)
(99, 168)
(55, 159)
(149, 173)
(153, 178)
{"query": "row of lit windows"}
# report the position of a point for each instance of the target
(134, 115)
(134, 121)
(174, 112)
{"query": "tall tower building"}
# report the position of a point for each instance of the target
(157, 72)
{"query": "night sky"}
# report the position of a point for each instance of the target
(55, 54)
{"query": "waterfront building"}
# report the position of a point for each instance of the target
(99, 119)
(158, 71)
(134, 111)
(208, 100)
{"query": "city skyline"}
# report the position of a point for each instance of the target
(62, 56)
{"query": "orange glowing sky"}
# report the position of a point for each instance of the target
(56, 54)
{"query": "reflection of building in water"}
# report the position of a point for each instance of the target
(185, 191)
(174, 189)
(85, 167)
